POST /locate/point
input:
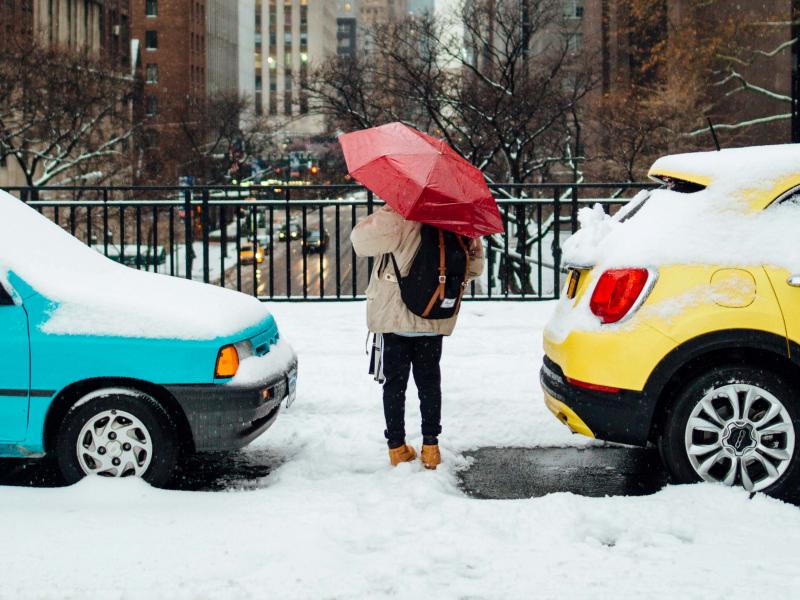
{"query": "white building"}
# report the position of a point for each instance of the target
(222, 47)
(295, 35)
(248, 38)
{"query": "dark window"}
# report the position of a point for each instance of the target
(151, 8)
(5, 297)
(151, 40)
(151, 106)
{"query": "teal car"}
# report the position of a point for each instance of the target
(115, 398)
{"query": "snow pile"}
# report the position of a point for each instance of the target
(714, 226)
(334, 520)
(95, 295)
(253, 369)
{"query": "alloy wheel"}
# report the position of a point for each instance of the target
(740, 434)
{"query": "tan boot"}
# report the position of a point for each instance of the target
(404, 453)
(431, 457)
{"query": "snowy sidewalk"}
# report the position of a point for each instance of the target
(333, 520)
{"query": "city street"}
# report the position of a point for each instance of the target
(287, 270)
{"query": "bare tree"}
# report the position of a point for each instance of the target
(499, 84)
(65, 117)
(705, 61)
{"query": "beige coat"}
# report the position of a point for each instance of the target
(386, 231)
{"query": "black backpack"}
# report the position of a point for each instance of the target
(438, 276)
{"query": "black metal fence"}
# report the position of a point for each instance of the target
(285, 242)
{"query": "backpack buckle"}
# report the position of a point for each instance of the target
(442, 279)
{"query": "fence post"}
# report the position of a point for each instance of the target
(556, 243)
(204, 221)
(188, 242)
(105, 221)
(574, 212)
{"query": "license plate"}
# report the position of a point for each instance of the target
(290, 397)
(572, 283)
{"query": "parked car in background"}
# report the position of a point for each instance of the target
(116, 372)
(316, 241)
(698, 351)
(132, 255)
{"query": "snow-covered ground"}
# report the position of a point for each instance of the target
(334, 520)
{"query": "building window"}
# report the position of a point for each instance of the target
(152, 74)
(151, 106)
(574, 42)
(573, 9)
(151, 40)
(151, 8)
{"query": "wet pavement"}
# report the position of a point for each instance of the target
(513, 473)
(245, 470)
(496, 473)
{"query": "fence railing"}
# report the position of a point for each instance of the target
(292, 242)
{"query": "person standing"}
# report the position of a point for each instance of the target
(408, 342)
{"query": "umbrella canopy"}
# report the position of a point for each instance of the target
(422, 178)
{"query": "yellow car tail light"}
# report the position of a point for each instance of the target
(227, 362)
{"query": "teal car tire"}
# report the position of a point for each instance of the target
(117, 433)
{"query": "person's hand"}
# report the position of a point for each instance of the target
(475, 247)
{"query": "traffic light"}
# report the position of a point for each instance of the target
(314, 170)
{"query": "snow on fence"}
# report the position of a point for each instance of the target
(292, 242)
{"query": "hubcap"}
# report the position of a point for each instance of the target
(740, 434)
(114, 443)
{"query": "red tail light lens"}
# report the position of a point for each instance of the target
(616, 293)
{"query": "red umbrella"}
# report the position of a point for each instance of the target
(422, 178)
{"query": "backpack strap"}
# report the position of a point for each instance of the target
(439, 293)
(382, 265)
(396, 268)
(466, 273)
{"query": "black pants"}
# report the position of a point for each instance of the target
(399, 355)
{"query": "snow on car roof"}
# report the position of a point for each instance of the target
(714, 226)
(752, 166)
(96, 296)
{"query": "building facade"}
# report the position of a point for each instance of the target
(222, 47)
(172, 39)
(99, 26)
(347, 35)
(609, 32)
(291, 35)
(376, 12)
(419, 8)
(248, 43)
(16, 21)
(96, 25)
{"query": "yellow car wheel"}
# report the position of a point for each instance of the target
(736, 426)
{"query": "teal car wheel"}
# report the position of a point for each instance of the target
(117, 433)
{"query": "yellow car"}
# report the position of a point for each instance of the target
(250, 253)
(679, 323)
